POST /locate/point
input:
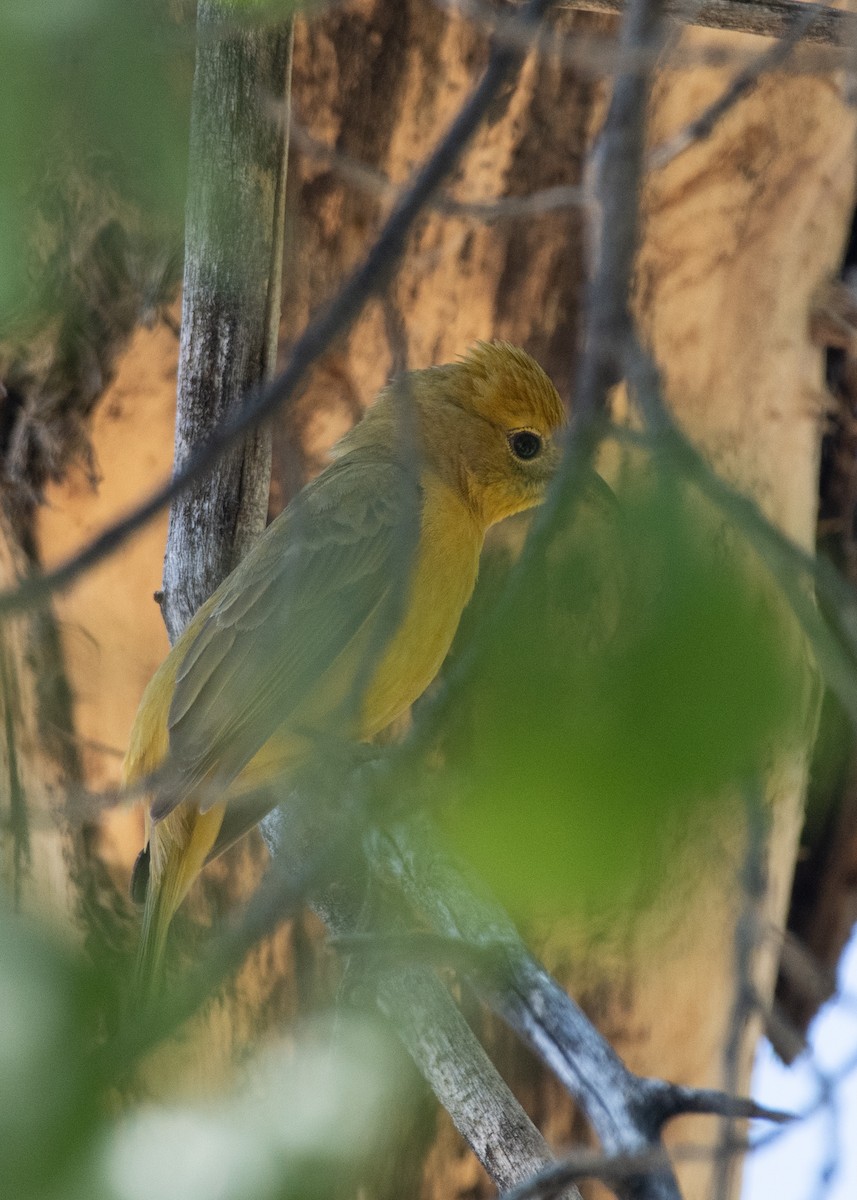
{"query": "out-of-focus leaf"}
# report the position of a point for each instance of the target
(275, 9)
(90, 86)
(308, 1115)
(49, 1094)
(303, 1114)
(645, 668)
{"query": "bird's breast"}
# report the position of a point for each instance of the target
(437, 588)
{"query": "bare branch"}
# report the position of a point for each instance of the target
(627, 1112)
(746, 944)
(425, 1017)
(597, 55)
(463, 1078)
(679, 1101)
(743, 83)
(767, 18)
(500, 208)
(619, 168)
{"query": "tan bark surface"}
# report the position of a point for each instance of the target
(37, 847)
(739, 232)
(112, 632)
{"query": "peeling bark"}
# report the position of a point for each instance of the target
(231, 296)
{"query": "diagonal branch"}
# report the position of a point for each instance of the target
(409, 993)
(499, 208)
(463, 1078)
(627, 1112)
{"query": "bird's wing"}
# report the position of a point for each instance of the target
(281, 621)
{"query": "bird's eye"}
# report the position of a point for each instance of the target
(525, 444)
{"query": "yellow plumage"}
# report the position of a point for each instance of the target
(343, 612)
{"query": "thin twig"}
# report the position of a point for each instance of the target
(683, 1101)
(587, 1164)
(744, 82)
(746, 946)
(376, 183)
(828, 1084)
(619, 168)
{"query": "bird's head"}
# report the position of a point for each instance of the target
(498, 417)
(487, 426)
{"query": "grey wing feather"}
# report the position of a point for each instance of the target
(303, 593)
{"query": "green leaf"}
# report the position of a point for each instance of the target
(305, 1113)
(645, 668)
(93, 90)
(49, 1091)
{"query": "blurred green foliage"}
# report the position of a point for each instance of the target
(95, 99)
(92, 87)
(49, 1089)
(275, 9)
(305, 1114)
(643, 668)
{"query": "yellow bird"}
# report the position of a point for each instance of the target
(341, 615)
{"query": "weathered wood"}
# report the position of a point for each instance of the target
(765, 18)
(463, 1077)
(622, 1108)
(422, 1011)
(424, 1015)
(231, 299)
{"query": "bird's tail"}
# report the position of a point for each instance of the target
(179, 846)
(158, 911)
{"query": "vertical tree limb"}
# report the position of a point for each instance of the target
(232, 288)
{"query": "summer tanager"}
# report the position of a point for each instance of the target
(341, 615)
